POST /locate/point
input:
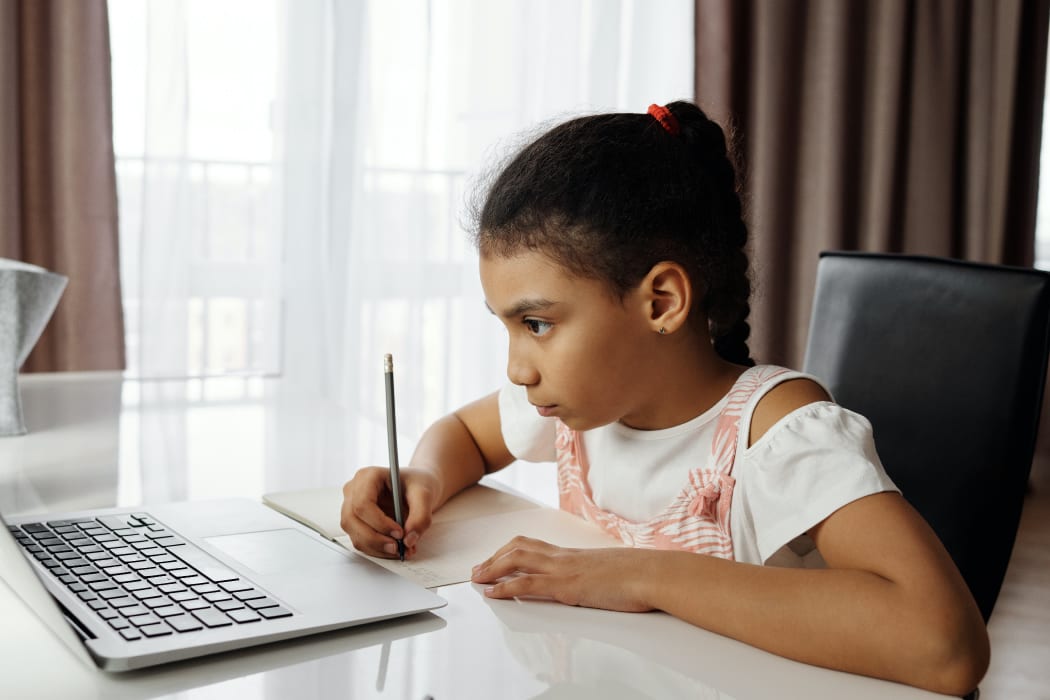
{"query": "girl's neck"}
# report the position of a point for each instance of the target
(688, 379)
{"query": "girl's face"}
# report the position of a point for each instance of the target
(582, 354)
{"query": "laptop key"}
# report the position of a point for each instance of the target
(157, 630)
(137, 585)
(212, 617)
(249, 594)
(228, 605)
(274, 613)
(216, 596)
(147, 594)
(107, 613)
(171, 588)
(259, 603)
(112, 593)
(235, 586)
(104, 585)
(114, 522)
(203, 562)
(158, 602)
(134, 610)
(196, 604)
(203, 588)
(125, 602)
(143, 620)
(182, 596)
(184, 623)
(168, 611)
(244, 615)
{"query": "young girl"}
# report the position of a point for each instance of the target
(612, 249)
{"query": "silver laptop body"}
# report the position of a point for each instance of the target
(230, 549)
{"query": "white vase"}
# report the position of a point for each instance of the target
(28, 297)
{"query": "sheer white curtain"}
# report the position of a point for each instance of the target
(324, 224)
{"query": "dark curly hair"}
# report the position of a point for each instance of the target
(608, 196)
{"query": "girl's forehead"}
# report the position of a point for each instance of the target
(526, 264)
(531, 275)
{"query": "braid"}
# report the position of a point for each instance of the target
(726, 300)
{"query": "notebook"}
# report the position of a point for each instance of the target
(130, 588)
(465, 531)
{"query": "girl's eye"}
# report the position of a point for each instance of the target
(537, 327)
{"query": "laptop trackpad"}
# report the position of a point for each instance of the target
(273, 551)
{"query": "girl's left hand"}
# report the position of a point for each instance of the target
(610, 578)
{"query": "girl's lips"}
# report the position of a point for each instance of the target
(546, 411)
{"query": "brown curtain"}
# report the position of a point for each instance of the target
(879, 125)
(58, 201)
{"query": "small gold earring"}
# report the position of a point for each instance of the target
(663, 331)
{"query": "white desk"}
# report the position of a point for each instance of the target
(96, 440)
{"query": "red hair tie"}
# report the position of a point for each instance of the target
(667, 120)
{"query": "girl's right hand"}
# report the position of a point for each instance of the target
(368, 510)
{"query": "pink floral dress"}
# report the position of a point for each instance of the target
(698, 518)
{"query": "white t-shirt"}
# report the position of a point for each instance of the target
(809, 464)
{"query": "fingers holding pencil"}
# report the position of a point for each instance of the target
(367, 510)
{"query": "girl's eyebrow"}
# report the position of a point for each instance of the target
(523, 306)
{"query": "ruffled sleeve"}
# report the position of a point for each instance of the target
(808, 465)
(528, 435)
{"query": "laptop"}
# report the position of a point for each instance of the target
(142, 586)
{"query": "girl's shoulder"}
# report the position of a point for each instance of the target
(776, 392)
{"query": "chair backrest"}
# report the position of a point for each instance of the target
(947, 359)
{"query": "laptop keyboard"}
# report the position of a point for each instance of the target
(143, 579)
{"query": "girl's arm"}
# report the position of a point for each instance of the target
(891, 603)
(462, 447)
(454, 453)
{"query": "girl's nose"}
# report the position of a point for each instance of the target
(520, 370)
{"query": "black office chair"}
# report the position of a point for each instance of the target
(947, 359)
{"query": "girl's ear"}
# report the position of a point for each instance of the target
(668, 295)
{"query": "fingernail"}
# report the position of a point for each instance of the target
(396, 534)
(489, 590)
(476, 569)
(390, 548)
(411, 539)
